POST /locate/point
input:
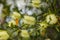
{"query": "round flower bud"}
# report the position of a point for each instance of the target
(24, 33)
(3, 35)
(51, 19)
(29, 20)
(16, 15)
(36, 3)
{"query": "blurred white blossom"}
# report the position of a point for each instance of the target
(8, 19)
(20, 4)
(10, 2)
(37, 11)
(23, 11)
(29, 12)
(26, 11)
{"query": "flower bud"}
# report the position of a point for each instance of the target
(36, 3)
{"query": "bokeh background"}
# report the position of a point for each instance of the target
(29, 19)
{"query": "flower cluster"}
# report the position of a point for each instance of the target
(29, 20)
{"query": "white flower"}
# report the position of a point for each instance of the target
(29, 20)
(28, 2)
(10, 2)
(12, 22)
(51, 19)
(8, 19)
(23, 11)
(24, 33)
(16, 15)
(3, 35)
(29, 12)
(20, 4)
